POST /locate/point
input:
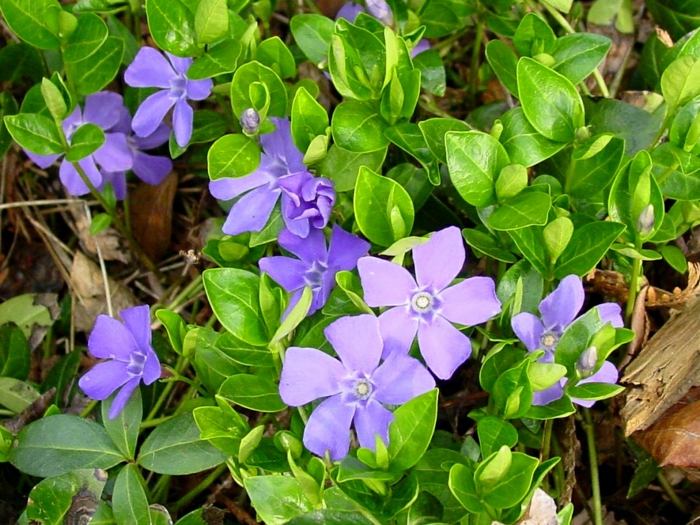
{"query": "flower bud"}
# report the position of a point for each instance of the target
(587, 361)
(380, 10)
(645, 222)
(250, 121)
(288, 442)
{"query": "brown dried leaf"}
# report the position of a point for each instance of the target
(152, 216)
(108, 240)
(674, 440)
(88, 285)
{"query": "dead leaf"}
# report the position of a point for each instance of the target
(674, 440)
(542, 510)
(152, 216)
(108, 240)
(87, 283)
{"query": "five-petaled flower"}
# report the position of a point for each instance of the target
(150, 69)
(356, 387)
(306, 200)
(427, 305)
(129, 357)
(559, 310)
(316, 265)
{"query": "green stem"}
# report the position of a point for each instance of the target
(634, 284)
(546, 439)
(201, 486)
(161, 488)
(474, 65)
(89, 408)
(593, 460)
(180, 366)
(154, 422)
(668, 488)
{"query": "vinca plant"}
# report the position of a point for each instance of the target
(391, 315)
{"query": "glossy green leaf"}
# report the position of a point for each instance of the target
(87, 139)
(522, 142)
(211, 21)
(309, 119)
(34, 21)
(124, 429)
(411, 430)
(276, 499)
(219, 59)
(589, 174)
(94, 72)
(89, 35)
(232, 155)
(342, 166)
(578, 54)
(256, 74)
(588, 245)
(14, 353)
(276, 55)
(528, 208)
(52, 500)
(494, 433)
(129, 501)
(172, 26)
(16, 395)
(504, 63)
(358, 127)
(312, 34)
(680, 82)
(462, 486)
(252, 392)
(35, 133)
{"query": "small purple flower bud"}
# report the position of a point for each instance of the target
(587, 361)
(380, 10)
(250, 121)
(645, 222)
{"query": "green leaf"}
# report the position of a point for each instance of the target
(255, 73)
(486, 244)
(463, 488)
(680, 82)
(233, 295)
(357, 126)
(474, 160)
(562, 407)
(589, 174)
(275, 54)
(533, 36)
(129, 500)
(222, 426)
(253, 392)
(383, 209)
(550, 101)
(124, 429)
(89, 35)
(14, 353)
(211, 21)
(219, 59)
(295, 316)
(58, 444)
(495, 433)
(522, 142)
(16, 395)
(594, 391)
(172, 26)
(504, 63)
(588, 245)
(35, 133)
(514, 485)
(411, 430)
(675, 257)
(557, 235)
(87, 139)
(529, 241)
(232, 155)
(677, 16)
(34, 21)
(432, 72)
(528, 208)
(309, 119)
(578, 54)
(434, 131)
(91, 74)
(276, 499)
(312, 34)
(54, 99)
(53, 500)
(342, 166)
(175, 448)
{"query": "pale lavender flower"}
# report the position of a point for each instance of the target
(380, 10)
(316, 265)
(103, 109)
(428, 305)
(306, 200)
(355, 388)
(129, 357)
(558, 310)
(349, 11)
(607, 373)
(150, 69)
(250, 121)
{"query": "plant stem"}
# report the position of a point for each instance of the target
(634, 284)
(201, 486)
(474, 65)
(593, 460)
(546, 439)
(668, 488)
(89, 408)
(179, 368)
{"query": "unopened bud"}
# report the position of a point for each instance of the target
(380, 10)
(645, 222)
(587, 361)
(250, 121)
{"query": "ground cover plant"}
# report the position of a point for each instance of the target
(387, 262)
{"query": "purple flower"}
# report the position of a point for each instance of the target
(427, 305)
(306, 201)
(349, 11)
(316, 265)
(104, 110)
(129, 357)
(150, 69)
(356, 388)
(558, 310)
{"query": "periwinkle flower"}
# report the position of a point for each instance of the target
(316, 265)
(559, 309)
(428, 305)
(306, 200)
(607, 373)
(349, 11)
(129, 357)
(646, 219)
(356, 388)
(150, 69)
(103, 109)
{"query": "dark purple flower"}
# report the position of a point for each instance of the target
(306, 201)
(427, 305)
(150, 69)
(316, 265)
(104, 110)
(559, 309)
(129, 357)
(356, 387)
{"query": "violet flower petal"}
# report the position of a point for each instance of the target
(116, 179)
(309, 374)
(561, 306)
(311, 249)
(371, 420)
(122, 397)
(279, 143)
(149, 69)
(151, 113)
(399, 379)
(546, 396)
(287, 272)
(151, 169)
(529, 329)
(114, 154)
(103, 109)
(385, 283)
(103, 379)
(349, 11)
(157, 138)
(611, 313)
(251, 212)
(443, 347)
(607, 373)
(328, 428)
(183, 119)
(345, 249)
(111, 339)
(151, 368)
(73, 182)
(43, 161)
(398, 330)
(438, 261)
(357, 341)
(231, 187)
(199, 89)
(420, 47)
(471, 302)
(137, 320)
(180, 64)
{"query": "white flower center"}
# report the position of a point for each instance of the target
(549, 340)
(422, 302)
(137, 360)
(362, 389)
